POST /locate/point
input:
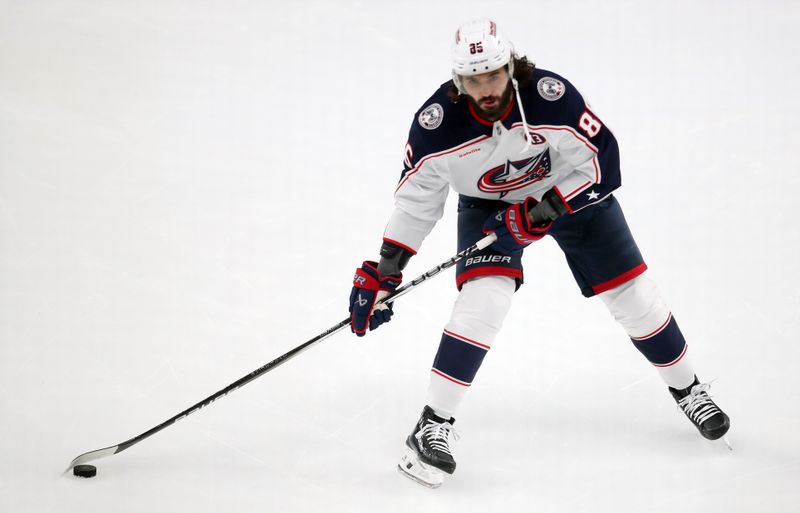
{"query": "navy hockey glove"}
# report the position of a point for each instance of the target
(513, 228)
(520, 224)
(368, 287)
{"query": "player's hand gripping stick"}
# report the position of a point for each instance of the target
(518, 225)
(368, 287)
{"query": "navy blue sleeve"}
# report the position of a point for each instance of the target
(592, 149)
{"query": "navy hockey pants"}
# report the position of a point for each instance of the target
(596, 241)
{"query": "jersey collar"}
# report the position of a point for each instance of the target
(486, 122)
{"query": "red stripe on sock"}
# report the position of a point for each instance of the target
(656, 332)
(467, 340)
(676, 360)
(454, 380)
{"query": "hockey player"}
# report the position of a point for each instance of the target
(528, 158)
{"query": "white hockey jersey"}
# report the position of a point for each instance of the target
(451, 147)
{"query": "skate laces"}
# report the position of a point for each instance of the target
(698, 404)
(438, 435)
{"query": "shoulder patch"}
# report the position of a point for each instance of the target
(431, 117)
(551, 89)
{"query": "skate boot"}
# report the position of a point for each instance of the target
(695, 402)
(428, 454)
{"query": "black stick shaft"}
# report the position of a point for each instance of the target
(99, 453)
(233, 386)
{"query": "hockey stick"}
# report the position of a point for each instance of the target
(114, 449)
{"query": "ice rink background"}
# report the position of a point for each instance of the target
(186, 188)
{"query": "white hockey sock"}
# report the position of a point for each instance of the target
(444, 396)
(678, 375)
(476, 319)
(638, 306)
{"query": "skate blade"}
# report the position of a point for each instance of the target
(425, 475)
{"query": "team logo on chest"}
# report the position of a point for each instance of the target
(516, 175)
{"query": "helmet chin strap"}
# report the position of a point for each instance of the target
(515, 85)
(528, 138)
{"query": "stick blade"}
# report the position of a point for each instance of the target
(93, 455)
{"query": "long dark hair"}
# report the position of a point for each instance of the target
(523, 71)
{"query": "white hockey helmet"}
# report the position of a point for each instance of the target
(480, 48)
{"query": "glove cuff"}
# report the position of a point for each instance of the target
(556, 201)
(368, 277)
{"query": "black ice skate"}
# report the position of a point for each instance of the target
(428, 454)
(695, 402)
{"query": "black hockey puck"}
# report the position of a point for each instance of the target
(84, 470)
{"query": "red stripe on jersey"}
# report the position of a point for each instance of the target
(568, 128)
(486, 122)
(581, 187)
(434, 155)
(590, 146)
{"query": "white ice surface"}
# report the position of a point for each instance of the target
(186, 188)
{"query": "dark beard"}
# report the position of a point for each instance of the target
(494, 113)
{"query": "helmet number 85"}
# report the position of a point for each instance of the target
(476, 48)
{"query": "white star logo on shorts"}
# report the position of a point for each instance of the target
(593, 195)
